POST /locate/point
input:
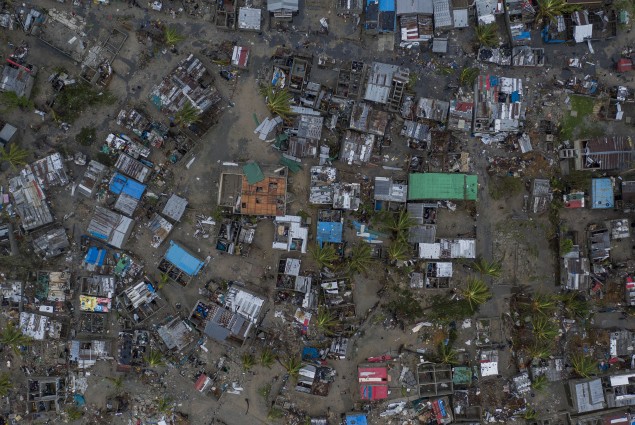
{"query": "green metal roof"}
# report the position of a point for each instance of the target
(442, 186)
(253, 173)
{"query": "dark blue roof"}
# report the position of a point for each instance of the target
(329, 232)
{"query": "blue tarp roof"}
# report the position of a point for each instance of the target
(310, 353)
(95, 256)
(386, 5)
(356, 419)
(122, 184)
(182, 259)
(602, 194)
(329, 232)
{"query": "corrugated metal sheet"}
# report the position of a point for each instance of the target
(175, 207)
(407, 7)
(442, 15)
(183, 260)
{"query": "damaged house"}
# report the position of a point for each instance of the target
(254, 190)
(356, 148)
(498, 104)
(386, 84)
(415, 20)
(110, 227)
(290, 234)
(366, 119)
(601, 153)
(179, 264)
(190, 82)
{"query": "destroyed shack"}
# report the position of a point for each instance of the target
(330, 227)
(380, 16)
(190, 82)
(434, 380)
(448, 249)
(499, 106)
(92, 178)
(45, 394)
(230, 322)
(129, 193)
(18, 79)
(601, 153)
(356, 148)
(176, 334)
(179, 265)
(235, 237)
(366, 119)
(51, 242)
(386, 84)
(141, 301)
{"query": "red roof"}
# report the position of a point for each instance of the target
(372, 372)
(463, 106)
(574, 203)
(200, 382)
(373, 392)
(624, 65)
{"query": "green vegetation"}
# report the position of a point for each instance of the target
(187, 115)
(412, 81)
(575, 305)
(248, 361)
(117, 382)
(544, 329)
(530, 414)
(275, 413)
(325, 256)
(154, 359)
(5, 384)
(566, 245)
(325, 321)
(278, 102)
(292, 365)
(172, 36)
(15, 156)
(572, 126)
(542, 304)
(443, 309)
(12, 101)
(468, 77)
(361, 258)
(164, 404)
(73, 413)
(13, 337)
(105, 159)
(447, 354)
(398, 251)
(476, 293)
(505, 187)
(265, 390)
(405, 306)
(164, 278)
(86, 136)
(397, 224)
(540, 350)
(487, 268)
(73, 100)
(267, 358)
(487, 35)
(549, 10)
(540, 383)
(583, 366)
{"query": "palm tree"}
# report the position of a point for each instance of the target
(549, 10)
(542, 304)
(164, 278)
(267, 358)
(583, 366)
(544, 329)
(117, 382)
(278, 101)
(540, 383)
(468, 76)
(172, 36)
(398, 251)
(361, 258)
(487, 35)
(487, 268)
(530, 414)
(15, 156)
(13, 337)
(575, 306)
(248, 361)
(447, 354)
(5, 384)
(325, 256)
(154, 359)
(187, 115)
(540, 350)
(292, 365)
(325, 320)
(476, 293)
(397, 224)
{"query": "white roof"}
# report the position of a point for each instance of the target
(619, 380)
(460, 18)
(582, 32)
(444, 269)
(430, 251)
